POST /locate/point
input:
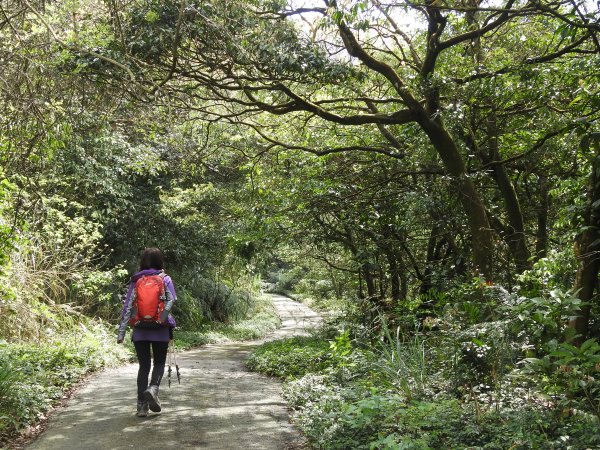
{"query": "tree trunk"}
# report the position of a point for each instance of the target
(516, 236)
(479, 226)
(382, 282)
(334, 282)
(394, 277)
(541, 235)
(368, 276)
(403, 283)
(426, 283)
(585, 280)
(361, 292)
(587, 244)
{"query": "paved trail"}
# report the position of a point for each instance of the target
(219, 404)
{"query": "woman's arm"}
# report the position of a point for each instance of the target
(170, 299)
(126, 312)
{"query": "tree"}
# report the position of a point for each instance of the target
(357, 66)
(588, 239)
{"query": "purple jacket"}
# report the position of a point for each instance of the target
(158, 334)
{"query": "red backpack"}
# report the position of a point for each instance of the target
(149, 302)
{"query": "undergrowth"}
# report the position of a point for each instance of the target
(34, 376)
(292, 357)
(449, 386)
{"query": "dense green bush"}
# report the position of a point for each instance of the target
(285, 279)
(261, 319)
(205, 300)
(337, 419)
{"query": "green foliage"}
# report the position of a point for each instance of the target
(132, 132)
(334, 416)
(7, 232)
(214, 301)
(554, 271)
(8, 382)
(34, 376)
(292, 357)
(569, 375)
(454, 384)
(187, 311)
(545, 318)
(261, 319)
(285, 280)
(185, 340)
(403, 363)
(362, 413)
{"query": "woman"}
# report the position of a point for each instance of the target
(144, 339)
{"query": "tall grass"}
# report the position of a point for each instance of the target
(402, 362)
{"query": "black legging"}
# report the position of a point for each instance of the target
(159, 350)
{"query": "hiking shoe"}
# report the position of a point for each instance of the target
(142, 409)
(150, 396)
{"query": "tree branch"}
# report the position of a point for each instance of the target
(77, 48)
(502, 18)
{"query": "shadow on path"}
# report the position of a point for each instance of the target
(219, 404)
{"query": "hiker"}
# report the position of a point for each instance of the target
(149, 288)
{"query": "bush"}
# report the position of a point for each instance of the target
(205, 299)
(402, 396)
(286, 280)
(569, 375)
(337, 417)
(188, 312)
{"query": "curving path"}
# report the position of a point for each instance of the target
(219, 404)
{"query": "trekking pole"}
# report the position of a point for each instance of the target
(176, 365)
(169, 371)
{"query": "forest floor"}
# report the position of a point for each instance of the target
(218, 405)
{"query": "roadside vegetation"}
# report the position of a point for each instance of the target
(35, 376)
(490, 370)
(260, 320)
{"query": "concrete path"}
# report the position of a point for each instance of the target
(219, 404)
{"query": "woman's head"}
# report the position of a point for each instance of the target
(152, 258)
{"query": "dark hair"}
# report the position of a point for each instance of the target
(152, 258)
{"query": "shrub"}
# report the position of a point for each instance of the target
(450, 383)
(285, 280)
(403, 363)
(335, 417)
(214, 301)
(569, 375)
